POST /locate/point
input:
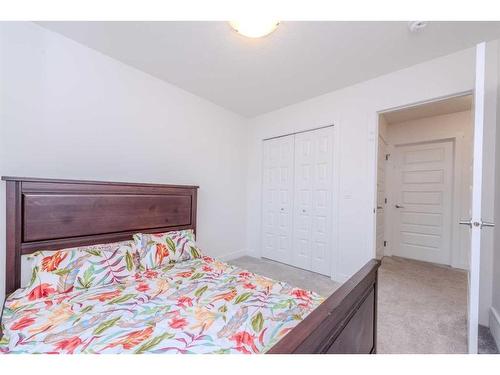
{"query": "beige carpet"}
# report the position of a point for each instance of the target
(422, 307)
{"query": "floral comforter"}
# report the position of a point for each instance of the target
(196, 306)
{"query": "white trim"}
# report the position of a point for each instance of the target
(385, 250)
(259, 253)
(335, 237)
(373, 134)
(389, 191)
(299, 132)
(233, 255)
(495, 325)
(428, 101)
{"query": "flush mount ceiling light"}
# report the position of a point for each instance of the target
(416, 26)
(254, 28)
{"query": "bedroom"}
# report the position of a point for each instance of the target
(104, 101)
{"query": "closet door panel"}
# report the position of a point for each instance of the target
(313, 200)
(278, 199)
(269, 238)
(322, 202)
(303, 197)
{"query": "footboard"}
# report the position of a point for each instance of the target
(345, 323)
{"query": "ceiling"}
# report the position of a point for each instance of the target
(436, 108)
(300, 60)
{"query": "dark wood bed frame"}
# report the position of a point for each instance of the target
(54, 214)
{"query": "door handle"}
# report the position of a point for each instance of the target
(399, 206)
(487, 224)
(379, 207)
(479, 224)
(466, 222)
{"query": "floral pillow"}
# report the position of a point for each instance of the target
(80, 268)
(159, 249)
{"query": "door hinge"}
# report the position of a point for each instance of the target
(385, 200)
(385, 243)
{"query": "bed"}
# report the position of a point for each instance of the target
(200, 305)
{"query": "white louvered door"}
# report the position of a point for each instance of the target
(278, 199)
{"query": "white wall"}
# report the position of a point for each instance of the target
(67, 111)
(459, 127)
(353, 110)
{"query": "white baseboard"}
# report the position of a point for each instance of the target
(460, 266)
(233, 255)
(495, 325)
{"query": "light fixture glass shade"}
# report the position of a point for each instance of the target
(254, 28)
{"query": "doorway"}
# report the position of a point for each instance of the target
(424, 177)
(424, 181)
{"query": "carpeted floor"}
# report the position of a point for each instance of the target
(323, 285)
(486, 342)
(422, 307)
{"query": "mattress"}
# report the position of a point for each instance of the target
(197, 306)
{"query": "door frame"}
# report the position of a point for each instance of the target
(387, 177)
(456, 207)
(372, 245)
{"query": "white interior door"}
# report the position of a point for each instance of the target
(278, 167)
(303, 200)
(423, 201)
(381, 196)
(313, 200)
(475, 222)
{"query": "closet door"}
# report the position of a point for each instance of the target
(278, 199)
(313, 200)
(303, 200)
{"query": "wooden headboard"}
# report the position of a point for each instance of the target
(48, 214)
